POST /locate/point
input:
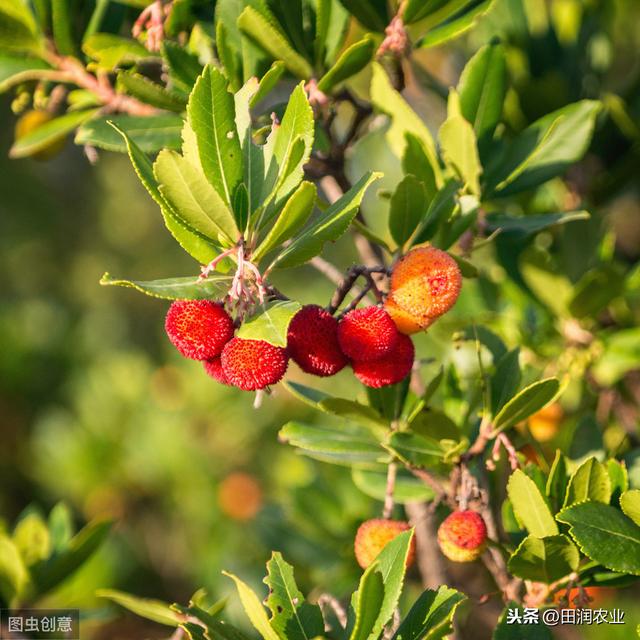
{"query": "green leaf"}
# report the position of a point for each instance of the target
(544, 559)
(416, 161)
(13, 574)
(111, 51)
(596, 290)
(368, 602)
(407, 488)
(268, 82)
(529, 506)
(60, 527)
(354, 411)
(531, 224)
(389, 400)
(458, 145)
(545, 149)
(405, 120)
(51, 572)
(61, 22)
(416, 450)
(329, 226)
(530, 400)
(408, 206)
(590, 481)
(191, 242)
(455, 23)
(506, 380)
(18, 29)
(630, 504)
(351, 61)
(293, 217)
(271, 323)
(211, 114)
(184, 67)
(193, 198)
(13, 68)
(441, 208)
(31, 537)
(621, 354)
(150, 133)
(187, 288)
(557, 481)
(308, 395)
(619, 480)
(605, 535)
(431, 615)
(346, 444)
(263, 30)
(49, 133)
(155, 610)
(291, 616)
(372, 14)
(147, 91)
(254, 609)
(482, 89)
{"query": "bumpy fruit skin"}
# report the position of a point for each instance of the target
(213, 368)
(251, 365)
(463, 536)
(312, 342)
(198, 329)
(426, 283)
(545, 423)
(391, 368)
(367, 334)
(405, 322)
(374, 535)
(29, 122)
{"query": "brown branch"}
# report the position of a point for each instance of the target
(430, 561)
(346, 285)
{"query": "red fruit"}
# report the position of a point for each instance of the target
(374, 535)
(214, 369)
(390, 368)
(198, 329)
(367, 334)
(312, 342)
(426, 283)
(253, 364)
(463, 536)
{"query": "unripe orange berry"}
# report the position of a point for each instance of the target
(463, 536)
(240, 496)
(544, 424)
(29, 122)
(405, 322)
(374, 535)
(426, 283)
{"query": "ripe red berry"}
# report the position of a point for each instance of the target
(367, 334)
(374, 535)
(426, 283)
(214, 369)
(312, 342)
(253, 364)
(198, 329)
(463, 536)
(390, 368)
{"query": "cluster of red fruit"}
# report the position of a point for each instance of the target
(375, 341)
(462, 537)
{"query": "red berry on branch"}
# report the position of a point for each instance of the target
(391, 368)
(214, 369)
(312, 342)
(463, 536)
(251, 365)
(198, 329)
(367, 334)
(374, 535)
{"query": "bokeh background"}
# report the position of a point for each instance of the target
(98, 410)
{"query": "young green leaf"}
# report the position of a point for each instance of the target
(482, 89)
(355, 412)
(254, 609)
(530, 400)
(268, 82)
(529, 506)
(16, 68)
(13, 574)
(18, 29)
(527, 225)
(416, 161)
(187, 288)
(368, 601)
(352, 61)
(193, 198)
(330, 225)
(31, 537)
(211, 114)
(605, 535)
(408, 207)
(459, 146)
(155, 610)
(415, 450)
(544, 559)
(184, 68)
(557, 481)
(261, 27)
(147, 91)
(271, 323)
(630, 504)
(452, 21)
(291, 616)
(440, 210)
(372, 14)
(590, 481)
(111, 51)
